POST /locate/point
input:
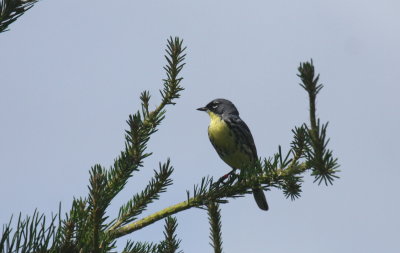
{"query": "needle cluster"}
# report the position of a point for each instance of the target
(10, 10)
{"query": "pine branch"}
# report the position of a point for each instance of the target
(281, 171)
(170, 243)
(144, 222)
(66, 242)
(83, 229)
(32, 234)
(310, 84)
(214, 218)
(97, 204)
(5, 236)
(319, 157)
(76, 230)
(143, 124)
(207, 192)
(140, 247)
(11, 10)
(139, 202)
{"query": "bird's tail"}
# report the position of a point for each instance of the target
(261, 201)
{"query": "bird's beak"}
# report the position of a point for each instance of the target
(203, 109)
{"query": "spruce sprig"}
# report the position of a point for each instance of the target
(98, 201)
(171, 243)
(319, 157)
(32, 234)
(140, 247)
(11, 10)
(214, 218)
(143, 124)
(135, 206)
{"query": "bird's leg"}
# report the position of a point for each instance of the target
(230, 175)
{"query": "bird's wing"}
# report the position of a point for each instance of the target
(243, 133)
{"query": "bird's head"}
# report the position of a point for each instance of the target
(220, 106)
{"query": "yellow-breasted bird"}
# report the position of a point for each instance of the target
(232, 140)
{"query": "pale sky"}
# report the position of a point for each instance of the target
(72, 71)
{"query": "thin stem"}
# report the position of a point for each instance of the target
(127, 229)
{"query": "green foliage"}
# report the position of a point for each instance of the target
(140, 247)
(87, 227)
(320, 159)
(214, 218)
(170, 244)
(32, 234)
(139, 202)
(10, 10)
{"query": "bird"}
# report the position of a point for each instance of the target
(232, 139)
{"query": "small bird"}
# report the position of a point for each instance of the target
(232, 140)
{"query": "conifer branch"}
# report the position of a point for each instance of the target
(319, 157)
(170, 244)
(11, 10)
(137, 225)
(32, 234)
(76, 229)
(207, 192)
(143, 124)
(97, 204)
(214, 218)
(139, 202)
(282, 171)
(140, 247)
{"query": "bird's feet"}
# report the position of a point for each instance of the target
(231, 176)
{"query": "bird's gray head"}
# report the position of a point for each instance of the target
(220, 106)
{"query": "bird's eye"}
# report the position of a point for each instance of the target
(214, 106)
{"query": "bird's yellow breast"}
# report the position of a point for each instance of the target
(219, 132)
(225, 142)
